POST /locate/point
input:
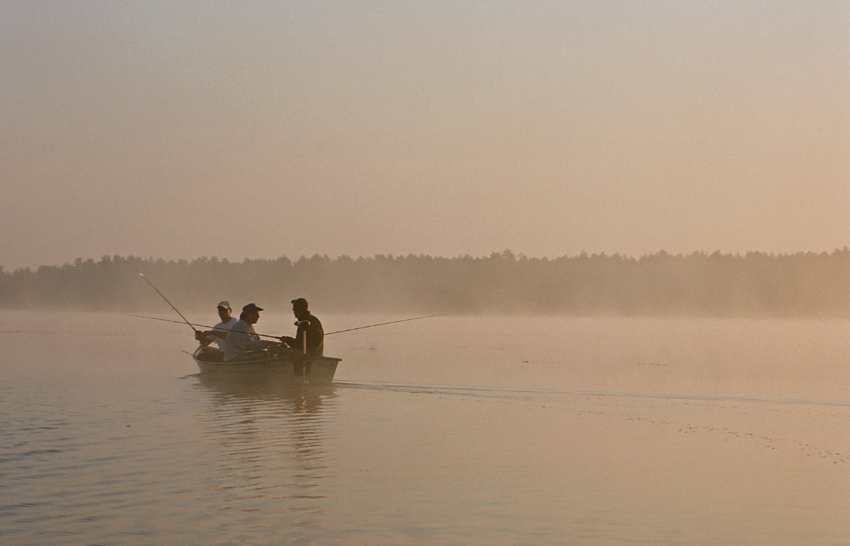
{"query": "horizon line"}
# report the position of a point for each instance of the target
(504, 253)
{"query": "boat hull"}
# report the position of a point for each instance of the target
(317, 370)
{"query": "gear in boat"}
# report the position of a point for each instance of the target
(209, 354)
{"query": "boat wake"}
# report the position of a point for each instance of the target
(531, 393)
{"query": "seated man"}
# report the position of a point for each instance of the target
(219, 331)
(242, 342)
(308, 325)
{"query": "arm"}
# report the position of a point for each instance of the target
(206, 337)
(245, 342)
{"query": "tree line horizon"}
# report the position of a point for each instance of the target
(802, 284)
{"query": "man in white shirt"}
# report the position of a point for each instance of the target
(219, 331)
(242, 342)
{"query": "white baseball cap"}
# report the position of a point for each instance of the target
(224, 304)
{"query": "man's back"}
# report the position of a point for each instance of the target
(315, 336)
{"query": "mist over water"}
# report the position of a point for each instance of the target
(459, 430)
(756, 284)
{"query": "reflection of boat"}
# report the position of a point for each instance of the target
(266, 441)
(305, 398)
(315, 370)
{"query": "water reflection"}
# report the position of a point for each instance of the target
(307, 398)
(267, 446)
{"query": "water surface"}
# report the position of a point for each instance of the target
(444, 431)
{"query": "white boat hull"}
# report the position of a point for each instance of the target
(318, 370)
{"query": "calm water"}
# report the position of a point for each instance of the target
(443, 431)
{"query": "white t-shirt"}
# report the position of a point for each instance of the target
(223, 327)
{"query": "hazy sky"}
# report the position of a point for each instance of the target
(261, 129)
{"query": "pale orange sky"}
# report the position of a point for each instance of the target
(261, 129)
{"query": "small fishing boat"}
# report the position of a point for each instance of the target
(317, 370)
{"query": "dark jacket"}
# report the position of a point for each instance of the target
(315, 337)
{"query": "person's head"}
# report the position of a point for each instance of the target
(299, 307)
(224, 311)
(251, 313)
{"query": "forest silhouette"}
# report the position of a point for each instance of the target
(697, 284)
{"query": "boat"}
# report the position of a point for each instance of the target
(317, 370)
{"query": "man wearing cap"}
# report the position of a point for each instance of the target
(219, 331)
(242, 342)
(307, 325)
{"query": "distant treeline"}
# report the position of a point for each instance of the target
(756, 284)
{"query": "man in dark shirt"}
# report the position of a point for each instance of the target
(307, 325)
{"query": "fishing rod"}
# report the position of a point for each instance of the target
(193, 324)
(166, 300)
(165, 320)
(278, 337)
(382, 324)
